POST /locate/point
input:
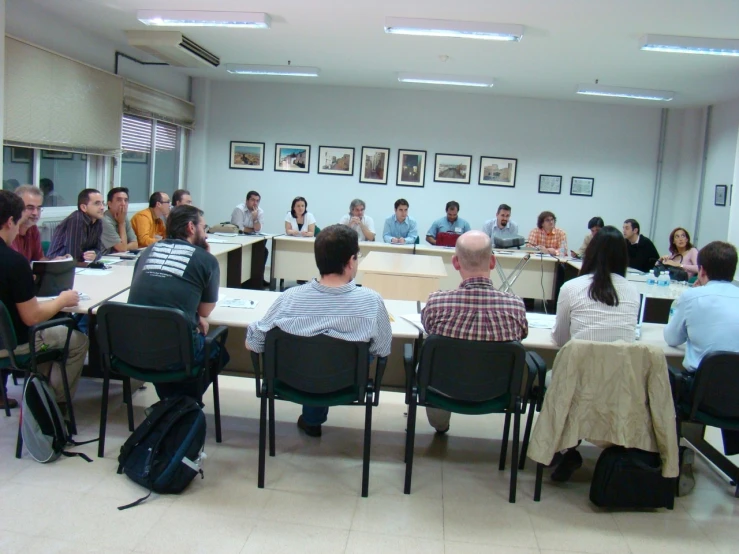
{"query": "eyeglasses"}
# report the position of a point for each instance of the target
(30, 208)
(550, 219)
(165, 202)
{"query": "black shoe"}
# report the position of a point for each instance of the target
(310, 430)
(12, 403)
(442, 431)
(571, 461)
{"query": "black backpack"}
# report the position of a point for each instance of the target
(631, 478)
(165, 452)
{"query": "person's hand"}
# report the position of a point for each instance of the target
(672, 263)
(89, 256)
(254, 216)
(63, 257)
(552, 251)
(355, 220)
(664, 258)
(203, 326)
(69, 298)
(401, 241)
(394, 240)
(120, 215)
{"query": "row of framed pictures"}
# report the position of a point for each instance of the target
(373, 166)
(579, 186)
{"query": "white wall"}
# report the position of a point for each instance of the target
(614, 144)
(2, 75)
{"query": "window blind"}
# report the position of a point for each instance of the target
(136, 134)
(147, 102)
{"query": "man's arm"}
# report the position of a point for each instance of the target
(386, 232)
(676, 330)
(33, 312)
(144, 229)
(237, 218)
(256, 222)
(561, 329)
(256, 332)
(73, 239)
(382, 335)
(114, 237)
(431, 233)
(368, 229)
(412, 231)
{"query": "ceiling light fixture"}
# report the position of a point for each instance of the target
(458, 29)
(281, 70)
(623, 92)
(437, 79)
(168, 18)
(690, 45)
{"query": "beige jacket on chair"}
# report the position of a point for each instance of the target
(617, 393)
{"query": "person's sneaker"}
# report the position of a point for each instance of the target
(571, 461)
(686, 481)
(310, 430)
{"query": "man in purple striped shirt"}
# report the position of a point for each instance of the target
(80, 233)
(475, 310)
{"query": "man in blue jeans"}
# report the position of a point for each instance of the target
(333, 306)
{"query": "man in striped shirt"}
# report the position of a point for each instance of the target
(475, 310)
(333, 306)
(79, 235)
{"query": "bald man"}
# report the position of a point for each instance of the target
(475, 310)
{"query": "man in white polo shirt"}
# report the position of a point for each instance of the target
(364, 225)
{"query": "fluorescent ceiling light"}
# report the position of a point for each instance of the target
(690, 45)
(437, 79)
(284, 70)
(458, 29)
(168, 18)
(623, 92)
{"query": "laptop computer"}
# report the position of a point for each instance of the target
(53, 277)
(446, 239)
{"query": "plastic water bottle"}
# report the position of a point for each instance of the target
(663, 280)
(563, 249)
(651, 279)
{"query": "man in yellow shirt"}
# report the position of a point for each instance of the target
(148, 224)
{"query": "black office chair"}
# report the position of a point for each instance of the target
(315, 371)
(712, 400)
(468, 377)
(28, 363)
(153, 345)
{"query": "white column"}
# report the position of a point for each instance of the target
(734, 209)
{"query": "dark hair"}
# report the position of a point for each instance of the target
(334, 247)
(12, 206)
(673, 248)
(252, 193)
(154, 199)
(178, 194)
(295, 201)
(46, 185)
(401, 202)
(543, 216)
(606, 254)
(596, 222)
(112, 192)
(84, 196)
(178, 219)
(718, 260)
(503, 207)
(452, 204)
(634, 225)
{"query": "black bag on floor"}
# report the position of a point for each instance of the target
(165, 452)
(631, 478)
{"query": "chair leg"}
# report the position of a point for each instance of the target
(527, 434)
(15, 379)
(282, 285)
(128, 399)
(537, 486)
(68, 396)
(504, 446)
(272, 427)
(367, 445)
(217, 408)
(103, 414)
(19, 442)
(514, 453)
(410, 440)
(3, 377)
(262, 440)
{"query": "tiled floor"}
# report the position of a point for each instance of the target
(311, 502)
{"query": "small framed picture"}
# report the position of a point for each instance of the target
(246, 155)
(498, 172)
(130, 156)
(336, 160)
(56, 155)
(294, 158)
(411, 168)
(719, 195)
(21, 155)
(582, 186)
(452, 168)
(373, 165)
(550, 184)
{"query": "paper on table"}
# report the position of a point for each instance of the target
(218, 241)
(541, 321)
(415, 319)
(220, 234)
(110, 261)
(92, 272)
(237, 303)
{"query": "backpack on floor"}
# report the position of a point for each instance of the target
(43, 429)
(165, 452)
(631, 478)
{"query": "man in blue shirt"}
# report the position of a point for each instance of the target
(501, 226)
(452, 223)
(400, 228)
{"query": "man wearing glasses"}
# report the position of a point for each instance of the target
(546, 237)
(28, 241)
(148, 224)
(79, 235)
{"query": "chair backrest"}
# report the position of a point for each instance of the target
(316, 230)
(471, 371)
(716, 385)
(316, 365)
(147, 338)
(8, 340)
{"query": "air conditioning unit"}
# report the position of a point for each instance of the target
(173, 47)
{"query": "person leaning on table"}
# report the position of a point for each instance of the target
(501, 226)
(299, 222)
(400, 228)
(594, 225)
(451, 223)
(248, 216)
(364, 225)
(546, 236)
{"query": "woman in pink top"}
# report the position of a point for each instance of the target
(682, 253)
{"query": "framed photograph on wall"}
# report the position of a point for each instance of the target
(130, 156)
(246, 155)
(294, 158)
(336, 160)
(373, 165)
(411, 168)
(498, 172)
(550, 184)
(719, 195)
(582, 186)
(452, 168)
(56, 155)
(20, 155)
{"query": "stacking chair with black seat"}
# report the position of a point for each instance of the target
(315, 371)
(28, 363)
(468, 377)
(154, 345)
(712, 400)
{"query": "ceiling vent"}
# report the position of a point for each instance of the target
(173, 47)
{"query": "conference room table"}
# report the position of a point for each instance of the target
(400, 277)
(240, 257)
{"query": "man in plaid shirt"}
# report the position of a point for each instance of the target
(475, 310)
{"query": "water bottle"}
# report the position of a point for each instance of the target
(663, 280)
(651, 278)
(563, 249)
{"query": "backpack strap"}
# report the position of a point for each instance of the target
(136, 503)
(79, 454)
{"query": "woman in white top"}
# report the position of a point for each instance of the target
(298, 221)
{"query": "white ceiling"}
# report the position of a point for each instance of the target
(565, 42)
